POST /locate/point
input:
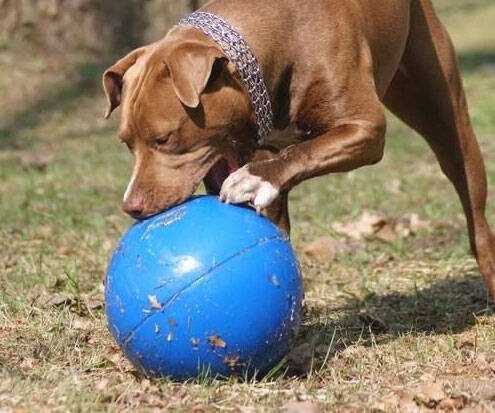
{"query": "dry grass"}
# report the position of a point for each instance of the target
(390, 326)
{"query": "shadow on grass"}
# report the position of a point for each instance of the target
(474, 60)
(55, 98)
(447, 307)
(126, 24)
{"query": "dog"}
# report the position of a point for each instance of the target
(328, 67)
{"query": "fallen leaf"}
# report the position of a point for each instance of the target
(323, 250)
(301, 407)
(232, 361)
(154, 302)
(115, 357)
(9, 262)
(453, 404)
(410, 224)
(82, 305)
(39, 159)
(416, 223)
(58, 300)
(466, 344)
(404, 401)
(64, 250)
(216, 341)
(366, 226)
(394, 186)
(407, 404)
(92, 303)
(81, 324)
(485, 361)
(387, 233)
(430, 394)
(27, 363)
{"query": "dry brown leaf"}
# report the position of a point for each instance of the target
(367, 225)
(39, 159)
(115, 357)
(323, 250)
(430, 394)
(485, 361)
(27, 363)
(93, 303)
(81, 324)
(232, 361)
(387, 233)
(64, 250)
(410, 224)
(416, 223)
(403, 401)
(9, 262)
(394, 186)
(58, 300)
(82, 306)
(407, 404)
(453, 404)
(301, 407)
(216, 341)
(154, 302)
(466, 344)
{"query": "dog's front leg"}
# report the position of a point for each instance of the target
(341, 149)
(278, 210)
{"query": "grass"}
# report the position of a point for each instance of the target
(381, 324)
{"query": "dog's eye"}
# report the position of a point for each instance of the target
(162, 140)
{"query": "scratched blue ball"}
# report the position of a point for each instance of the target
(204, 288)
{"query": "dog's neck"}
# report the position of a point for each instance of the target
(240, 54)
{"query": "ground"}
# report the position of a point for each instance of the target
(397, 317)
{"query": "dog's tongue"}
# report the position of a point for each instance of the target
(219, 173)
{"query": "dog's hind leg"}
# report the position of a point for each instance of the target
(427, 94)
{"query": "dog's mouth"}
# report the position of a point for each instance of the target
(219, 172)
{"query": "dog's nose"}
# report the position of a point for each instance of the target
(133, 207)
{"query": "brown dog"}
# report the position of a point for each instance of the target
(328, 66)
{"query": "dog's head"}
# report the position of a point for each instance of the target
(184, 116)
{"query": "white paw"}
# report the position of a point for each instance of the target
(242, 187)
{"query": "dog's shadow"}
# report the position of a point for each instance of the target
(449, 306)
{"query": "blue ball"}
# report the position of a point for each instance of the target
(204, 288)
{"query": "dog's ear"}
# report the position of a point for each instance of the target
(112, 79)
(191, 66)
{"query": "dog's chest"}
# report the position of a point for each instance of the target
(289, 136)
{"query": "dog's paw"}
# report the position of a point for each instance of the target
(242, 187)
